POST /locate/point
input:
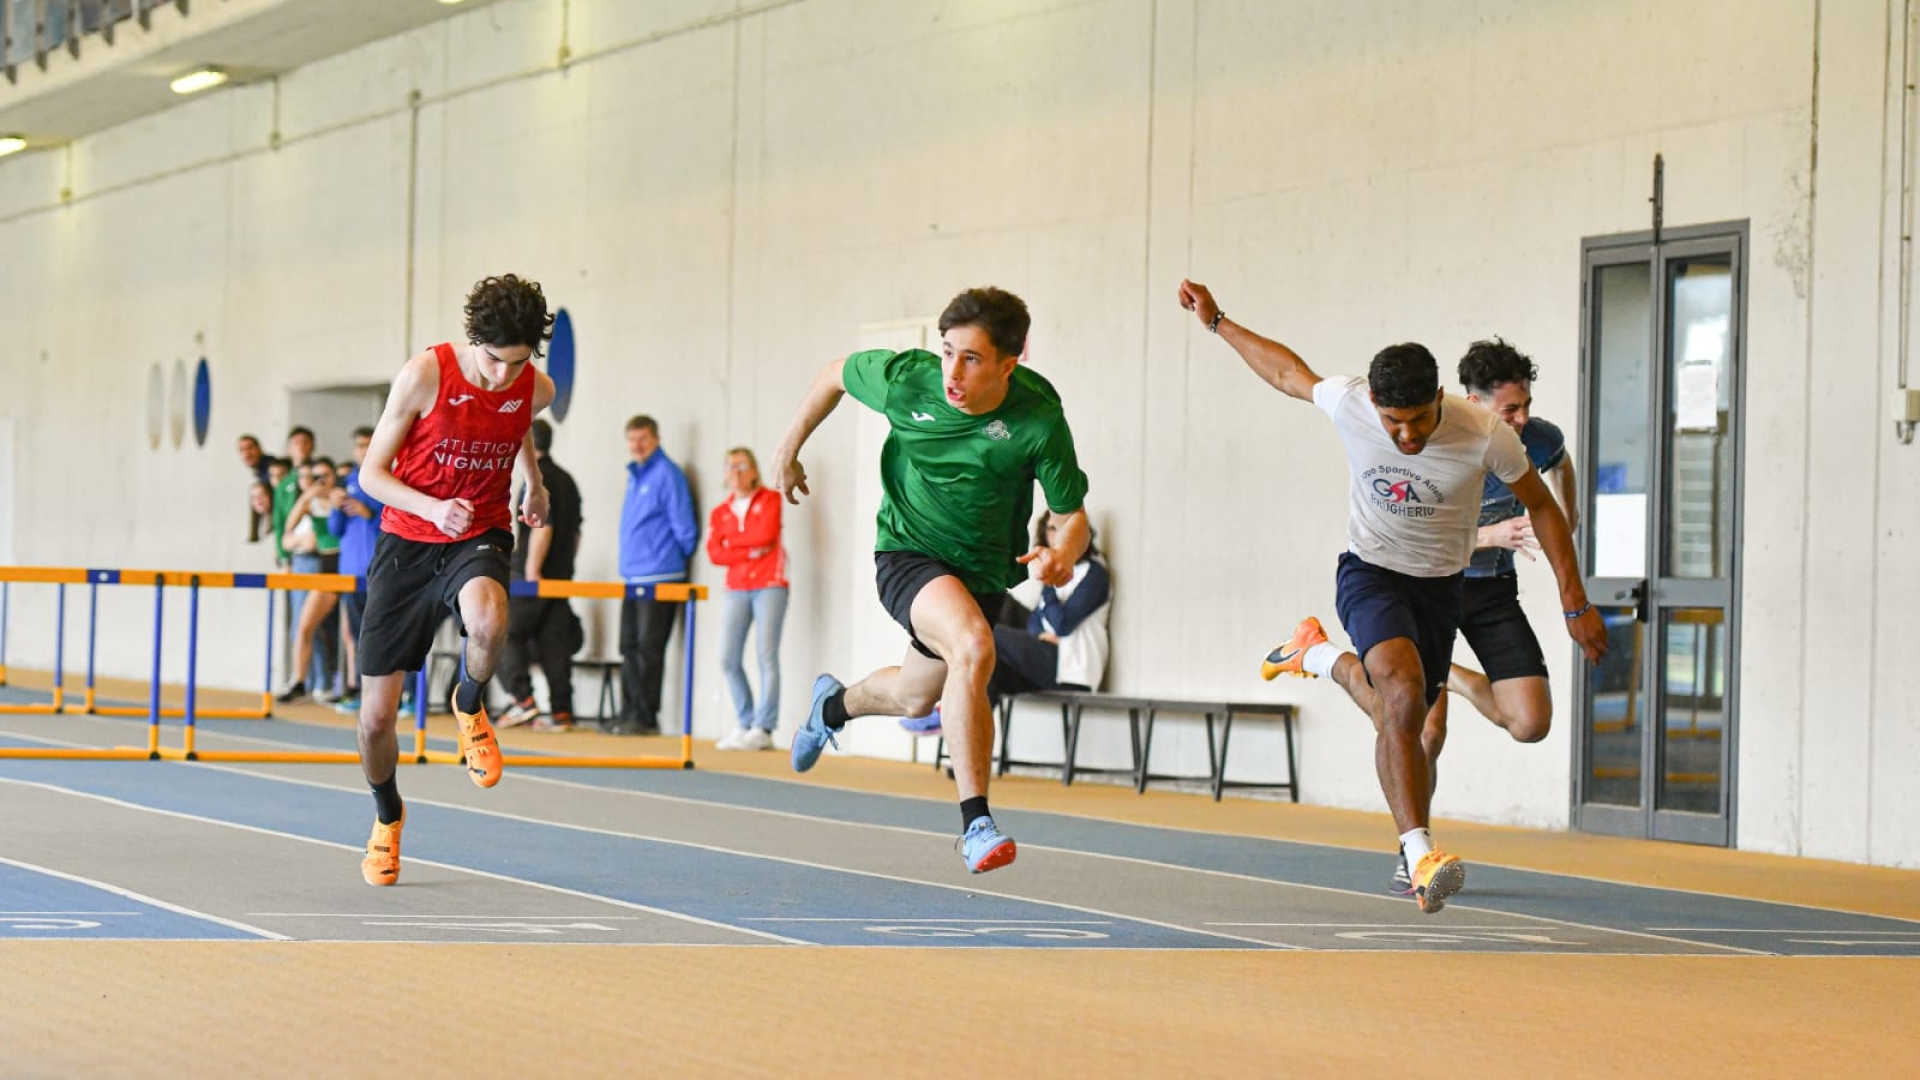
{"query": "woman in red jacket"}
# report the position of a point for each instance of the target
(743, 535)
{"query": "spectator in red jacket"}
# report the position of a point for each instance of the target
(743, 535)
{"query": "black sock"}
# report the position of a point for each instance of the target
(972, 810)
(468, 695)
(835, 710)
(386, 799)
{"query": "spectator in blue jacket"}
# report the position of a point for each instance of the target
(356, 521)
(658, 533)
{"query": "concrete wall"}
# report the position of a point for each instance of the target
(723, 198)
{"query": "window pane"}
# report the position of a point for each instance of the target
(1623, 335)
(1617, 704)
(1700, 465)
(1693, 666)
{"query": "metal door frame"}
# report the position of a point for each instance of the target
(1663, 592)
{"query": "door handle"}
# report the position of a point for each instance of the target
(1637, 596)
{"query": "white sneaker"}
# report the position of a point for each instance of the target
(731, 740)
(754, 739)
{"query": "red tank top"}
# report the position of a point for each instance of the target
(463, 448)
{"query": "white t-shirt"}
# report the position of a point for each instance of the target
(738, 504)
(1418, 514)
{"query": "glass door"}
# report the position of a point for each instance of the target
(1661, 394)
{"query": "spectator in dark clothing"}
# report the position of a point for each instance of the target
(658, 533)
(544, 630)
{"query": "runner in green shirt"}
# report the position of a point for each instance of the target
(971, 432)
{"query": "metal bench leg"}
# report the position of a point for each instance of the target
(1293, 772)
(1070, 738)
(1220, 767)
(1004, 708)
(608, 703)
(1133, 737)
(1146, 758)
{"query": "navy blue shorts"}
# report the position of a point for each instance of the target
(1376, 605)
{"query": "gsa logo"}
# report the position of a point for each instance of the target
(1401, 492)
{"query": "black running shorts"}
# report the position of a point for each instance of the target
(1498, 631)
(412, 585)
(901, 575)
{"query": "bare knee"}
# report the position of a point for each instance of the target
(919, 703)
(972, 652)
(487, 627)
(377, 723)
(1530, 727)
(1403, 708)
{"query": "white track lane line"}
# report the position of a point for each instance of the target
(145, 899)
(971, 890)
(629, 904)
(689, 801)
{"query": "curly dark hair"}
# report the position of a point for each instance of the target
(998, 312)
(1489, 365)
(508, 311)
(1404, 376)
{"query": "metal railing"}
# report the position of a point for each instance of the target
(33, 30)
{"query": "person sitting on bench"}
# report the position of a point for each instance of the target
(1064, 646)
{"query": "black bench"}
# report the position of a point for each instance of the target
(1141, 713)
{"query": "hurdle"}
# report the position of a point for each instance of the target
(193, 581)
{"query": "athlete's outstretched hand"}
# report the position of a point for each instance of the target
(1046, 566)
(453, 516)
(1514, 534)
(788, 477)
(1589, 631)
(1197, 299)
(533, 509)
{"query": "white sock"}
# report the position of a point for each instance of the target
(1321, 658)
(1414, 845)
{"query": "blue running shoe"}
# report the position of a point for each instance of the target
(985, 847)
(814, 736)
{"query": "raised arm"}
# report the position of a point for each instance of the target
(1277, 365)
(1556, 541)
(827, 390)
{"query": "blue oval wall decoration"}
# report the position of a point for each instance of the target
(202, 402)
(560, 363)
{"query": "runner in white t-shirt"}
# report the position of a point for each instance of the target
(1418, 464)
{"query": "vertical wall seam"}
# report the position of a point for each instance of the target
(1806, 440)
(1146, 255)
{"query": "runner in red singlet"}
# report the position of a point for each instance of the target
(443, 459)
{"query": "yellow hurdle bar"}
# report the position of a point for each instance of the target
(64, 753)
(45, 575)
(641, 762)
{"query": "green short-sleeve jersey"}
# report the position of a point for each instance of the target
(959, 487)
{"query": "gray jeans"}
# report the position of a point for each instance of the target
(739, 609)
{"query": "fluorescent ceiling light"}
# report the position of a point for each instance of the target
(11, 144)
(450, 3)
(204, 79)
